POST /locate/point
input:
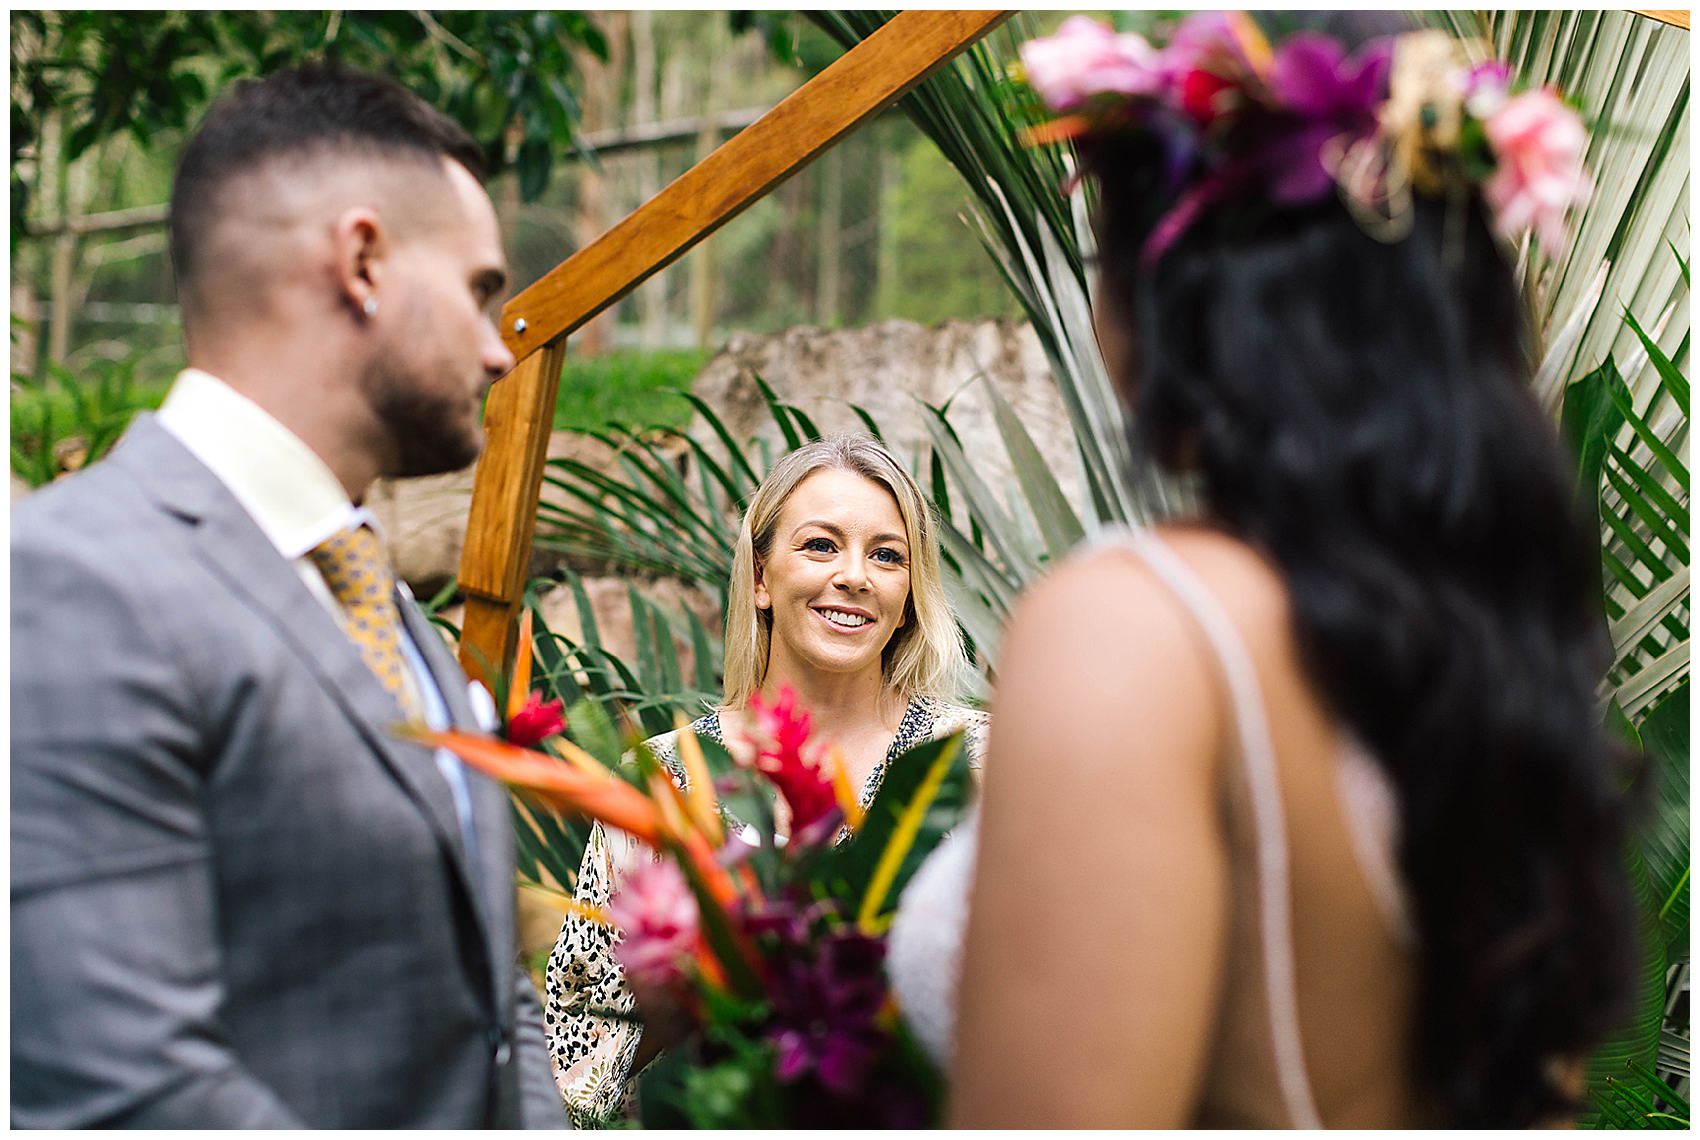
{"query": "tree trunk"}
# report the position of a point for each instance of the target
(702, 257)
(599, 107)
(26, 332)
(63, 265)
(651, 296)
(886, 253)
(829, 238)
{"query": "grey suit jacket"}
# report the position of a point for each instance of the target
(237, 900)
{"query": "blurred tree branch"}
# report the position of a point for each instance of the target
(148, 74)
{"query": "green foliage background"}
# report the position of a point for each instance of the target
(101, 99)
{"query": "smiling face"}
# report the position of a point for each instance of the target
(836, 578)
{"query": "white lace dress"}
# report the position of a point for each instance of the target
(925, 949)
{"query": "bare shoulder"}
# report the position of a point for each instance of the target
(1243, 579)
(1114, 591)
(1100, 655)
(1122, 594)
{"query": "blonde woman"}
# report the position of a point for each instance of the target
(836, 593)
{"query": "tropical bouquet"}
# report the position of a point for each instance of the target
(764, 919)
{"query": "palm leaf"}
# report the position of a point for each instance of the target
(1665, 735)
(1639, 1040)
(1629, 74)
(547, 847)
(923, 796)
(1056, 518)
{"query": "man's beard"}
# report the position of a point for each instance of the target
(429, 433)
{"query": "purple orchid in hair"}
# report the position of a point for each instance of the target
(1332, 97)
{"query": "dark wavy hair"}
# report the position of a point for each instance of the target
(1361, 412)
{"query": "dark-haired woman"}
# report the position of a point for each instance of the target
(1330, 833)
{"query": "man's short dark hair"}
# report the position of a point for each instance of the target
(317, 108)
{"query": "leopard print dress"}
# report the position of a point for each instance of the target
(587, 1009)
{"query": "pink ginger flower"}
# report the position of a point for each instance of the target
(774, 740)
(657, 916)
(1085, 58)
(1538, 144)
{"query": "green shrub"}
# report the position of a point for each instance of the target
(627, 388)
(71, 421)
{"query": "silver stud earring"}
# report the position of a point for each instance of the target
(370, 308)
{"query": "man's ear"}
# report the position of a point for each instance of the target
(359, 244)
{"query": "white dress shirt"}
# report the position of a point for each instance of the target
(297, 503)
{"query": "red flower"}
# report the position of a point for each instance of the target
(536, 721)
(1200, 95)
(779, 749)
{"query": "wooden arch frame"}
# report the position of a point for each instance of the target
(537, 322)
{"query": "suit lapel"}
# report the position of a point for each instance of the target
(488, 814)
(492, 823)
(234, 548)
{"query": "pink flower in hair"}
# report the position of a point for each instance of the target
(1538, 144)
(1085, 59)
(1205, 41)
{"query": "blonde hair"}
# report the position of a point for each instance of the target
(925, 657)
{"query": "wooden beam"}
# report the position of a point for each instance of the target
(518, 416)
(857, 86)
(1675, 17)
(520, 409)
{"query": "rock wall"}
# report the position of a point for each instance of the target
(424, 520)
(891, 370)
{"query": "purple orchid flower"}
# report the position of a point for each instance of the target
(1330, 96)
(826, 992)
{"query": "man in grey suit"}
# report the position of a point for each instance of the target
(238, 899)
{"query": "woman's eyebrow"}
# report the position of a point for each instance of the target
(838, 532)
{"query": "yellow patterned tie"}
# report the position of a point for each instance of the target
(355, 570)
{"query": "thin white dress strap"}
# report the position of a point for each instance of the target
(1268, 821)
(1370, 808)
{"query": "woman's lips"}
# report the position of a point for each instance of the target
(824, 612)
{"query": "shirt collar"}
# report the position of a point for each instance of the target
(287, 489)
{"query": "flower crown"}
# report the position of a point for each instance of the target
(1237, 118)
